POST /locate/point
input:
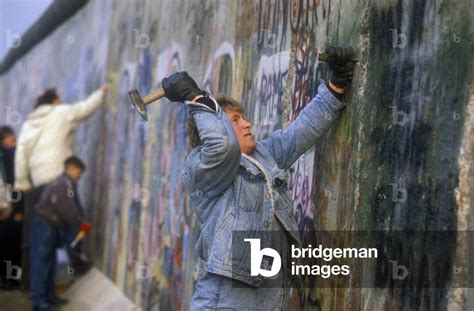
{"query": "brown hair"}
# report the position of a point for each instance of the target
(74, 161)
(47, 97)
(225, 102)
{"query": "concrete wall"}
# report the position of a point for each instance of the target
(399, 158)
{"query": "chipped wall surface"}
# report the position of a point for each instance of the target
(399, 158)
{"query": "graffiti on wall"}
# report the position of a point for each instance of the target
(265, 54)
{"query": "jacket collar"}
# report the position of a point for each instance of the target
(268, 180)
(246, 163)
(70, 181)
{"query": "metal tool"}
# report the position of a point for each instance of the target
(140, 103)
(85, 228)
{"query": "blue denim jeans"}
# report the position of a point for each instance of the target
(66, 236)
(217, 292)
(43, 244)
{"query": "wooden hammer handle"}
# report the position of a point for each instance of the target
(154, 96)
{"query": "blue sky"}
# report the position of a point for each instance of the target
(16, 16)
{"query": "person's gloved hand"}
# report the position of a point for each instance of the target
(341, 64)
(180, 87)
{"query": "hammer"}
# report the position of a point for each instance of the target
(139, 103)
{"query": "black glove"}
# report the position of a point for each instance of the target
(180, 87)
(340, 60)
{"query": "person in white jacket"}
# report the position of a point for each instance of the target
(44, 143)
(46, 138)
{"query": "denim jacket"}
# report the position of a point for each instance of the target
(235, 192)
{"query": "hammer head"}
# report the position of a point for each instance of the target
(138, 103)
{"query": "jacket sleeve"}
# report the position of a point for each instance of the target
(22, 181)
(46, 205)
(211, 167)
(78, 112)
(63, 198)
(287, 145)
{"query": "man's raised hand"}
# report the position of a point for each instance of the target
(340, 61)
(180, 87)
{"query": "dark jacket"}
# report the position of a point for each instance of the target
(7, 169)
(7, 157)
(59, 204)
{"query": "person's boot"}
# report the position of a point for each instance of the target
(58, 301)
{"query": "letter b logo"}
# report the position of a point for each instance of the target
(399, 272)
(256, 257)
(142, 271)
(10, 268)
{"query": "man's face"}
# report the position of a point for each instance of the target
(9, 141)
(74, 172)
(242, 130)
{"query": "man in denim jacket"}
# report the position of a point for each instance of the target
(237, 184)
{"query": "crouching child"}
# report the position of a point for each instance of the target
(59, 216)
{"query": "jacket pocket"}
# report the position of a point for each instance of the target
(248, 190)
(246, 227)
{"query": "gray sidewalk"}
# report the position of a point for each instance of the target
(91, 292)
